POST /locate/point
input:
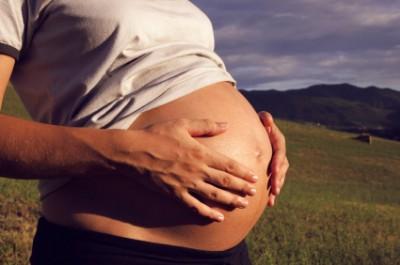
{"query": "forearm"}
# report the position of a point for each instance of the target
(32, 150)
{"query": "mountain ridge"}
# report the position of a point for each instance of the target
(344, 107)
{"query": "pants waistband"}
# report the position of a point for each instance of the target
(67, 233)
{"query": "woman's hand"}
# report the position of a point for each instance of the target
(279, 164)
(178, 165)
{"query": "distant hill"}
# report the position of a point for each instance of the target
(340, 106)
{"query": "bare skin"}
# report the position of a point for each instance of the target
(104, 153)
(280, 163)
(128, 210)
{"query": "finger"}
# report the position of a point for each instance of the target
(278, 174)
(271, 200)
(203, 127)
(269, 183)
(284, 170)
(276, 136)
(217, 195)
(279, 163)
(275, 175)
(266, 119)
(222, 162)
(201, 208)
(278, 140)
(281, 183)
(227, 181)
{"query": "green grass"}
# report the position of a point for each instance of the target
(340, 204)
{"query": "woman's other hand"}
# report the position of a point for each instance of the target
(279, 164)
(180, 166)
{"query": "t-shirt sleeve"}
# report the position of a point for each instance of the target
(12, 26)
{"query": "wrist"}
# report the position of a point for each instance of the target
(94, 148)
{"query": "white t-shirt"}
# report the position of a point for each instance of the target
(100, 63)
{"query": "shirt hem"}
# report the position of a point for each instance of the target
(178, 90)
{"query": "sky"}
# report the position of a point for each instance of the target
(289, 44)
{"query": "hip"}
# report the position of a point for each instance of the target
(55, 244)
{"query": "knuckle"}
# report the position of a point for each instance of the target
(286, 168)
(235, 201)
(179, 193)
(198, 153)
(193, 185)
(283, 165)
(189, 168)
(214, 195)
(194, 209)
(231, 167)
(207, 176)
(226, 181)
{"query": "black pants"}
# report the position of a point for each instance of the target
(59, 245)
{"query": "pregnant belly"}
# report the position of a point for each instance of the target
(121, 207)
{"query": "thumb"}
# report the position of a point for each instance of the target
(205, 127)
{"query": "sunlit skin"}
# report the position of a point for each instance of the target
(276, 170)
(280, 163)
(119, 209)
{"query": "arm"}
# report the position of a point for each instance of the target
(6, 67)
(33, 150)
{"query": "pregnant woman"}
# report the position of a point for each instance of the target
(145, 151)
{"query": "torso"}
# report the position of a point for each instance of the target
(121, 207)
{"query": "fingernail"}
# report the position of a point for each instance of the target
(253, 191)
(254, 178)
(220, 218)
(271, 201)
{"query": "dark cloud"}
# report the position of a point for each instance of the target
(293, 43)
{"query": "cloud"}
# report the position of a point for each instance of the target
(267, 43)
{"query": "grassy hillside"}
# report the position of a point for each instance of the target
(12, 105)
(18, 204)
(340, 205)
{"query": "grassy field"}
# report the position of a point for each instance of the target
(340, 205)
